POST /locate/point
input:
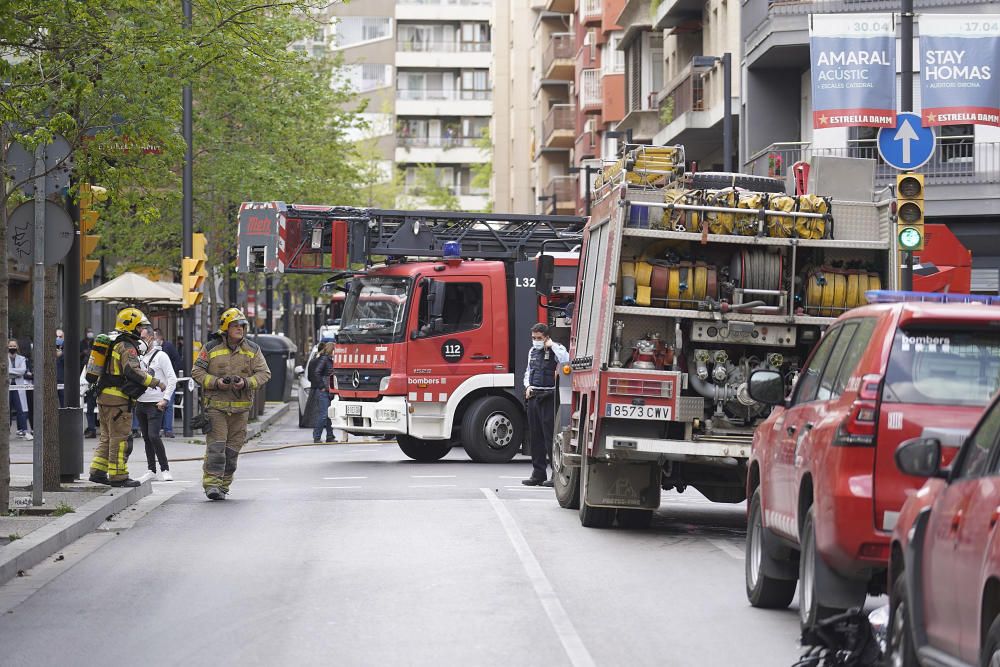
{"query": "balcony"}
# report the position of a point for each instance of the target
(591, 99)
(674, 13)
(960, 175)
(437, 94)
(418, 54)
(440, 150)
(431, 10)
(564, 189)
(558, 127)
(557, 61)
(590, 11)
(560, 6)
(436, 102)
(414, 46)
(687, 95)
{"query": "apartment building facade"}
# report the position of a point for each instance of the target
(424, 69)
(963, 175)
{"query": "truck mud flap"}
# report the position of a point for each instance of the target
(623, 484)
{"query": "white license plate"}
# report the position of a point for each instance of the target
(352, 410)
(628, 411)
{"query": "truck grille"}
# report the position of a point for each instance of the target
(368, 378)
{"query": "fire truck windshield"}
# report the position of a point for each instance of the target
(375, 310)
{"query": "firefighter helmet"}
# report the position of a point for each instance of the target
(129, 319)
(232, 316)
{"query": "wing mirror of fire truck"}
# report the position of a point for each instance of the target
(544, 274)
(767, 387)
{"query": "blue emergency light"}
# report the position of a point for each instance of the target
(452, 250)
(894, 296)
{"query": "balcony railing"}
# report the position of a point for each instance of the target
(688, 95)
(435, 142)
(416, 46)
(956, 160)
(560, 117)
(563, 189)
(590, 88)
(450, 3)
(457, 190)
(590, 9)
(432, 94)
(560, 47)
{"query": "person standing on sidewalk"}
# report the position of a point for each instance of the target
(228, 369)
(17, 369)
(540, 385)
(175, 360)
(151, 406)
(89, 398)
(321, 393)
(122, 381)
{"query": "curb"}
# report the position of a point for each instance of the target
(36, 546)
(256, 428)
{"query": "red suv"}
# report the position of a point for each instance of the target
(945, 566)
(825, 491)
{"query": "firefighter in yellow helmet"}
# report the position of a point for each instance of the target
(122, 381)
(228, 369)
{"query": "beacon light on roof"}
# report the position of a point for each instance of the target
(894, 296)
(452, 250)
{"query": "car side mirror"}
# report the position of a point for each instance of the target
(920, 457)
(767, 387)
(299, 370)
(544, 274)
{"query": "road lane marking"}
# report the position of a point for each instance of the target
(561, 623)
(326, 479)
(525, 487)
(433, 476)
(511, 477)
(336, 487)
(428, 486)
(536, 500)
(728, 549)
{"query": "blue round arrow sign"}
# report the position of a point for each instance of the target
(907, 146)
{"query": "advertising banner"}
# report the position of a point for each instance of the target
(958, 69)
(853, 70)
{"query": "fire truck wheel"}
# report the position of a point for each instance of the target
(718, 180)
(425, 451)
(565, 479)
(634, 519)
(492, 430)
(592, 517)
(763, 591)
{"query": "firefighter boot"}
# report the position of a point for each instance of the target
(214, 493)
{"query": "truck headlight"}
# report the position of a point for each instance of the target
(384, 415)
(333, 381)
(383, 384)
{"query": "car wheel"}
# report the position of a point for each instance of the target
(425, 451)
(899, 643)
(763, 591)
(592, 517)
(565, 479)
(634, 519)
(990, 656)
(492, 430)
(810, 610)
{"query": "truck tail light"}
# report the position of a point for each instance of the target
(858, 429)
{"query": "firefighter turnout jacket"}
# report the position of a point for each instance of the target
(218, 360)
(124, 380)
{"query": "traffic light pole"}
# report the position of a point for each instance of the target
(187, 350)
(71, 439)
(906, 102)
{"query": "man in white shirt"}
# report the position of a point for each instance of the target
(540, 385)
(150, 407)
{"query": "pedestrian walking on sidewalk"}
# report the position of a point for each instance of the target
(320, 385)
(541, 381)
(17, 369)
(152, 405)
(175, 360)
(228, 369)
(122, 381)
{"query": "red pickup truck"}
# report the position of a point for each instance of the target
(825, 491)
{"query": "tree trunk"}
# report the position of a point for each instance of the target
(5, 334)
(50, 396)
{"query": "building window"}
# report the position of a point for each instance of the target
(475, 84)
(365, 77)
(352, 30)
(861, 142)
(612, 59)
(956, 143)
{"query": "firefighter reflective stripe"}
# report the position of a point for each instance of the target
(209, 381)
(252, 381)
(114, 391)
(218, 352)
(427, 397)
(99, 463)
(212, 403)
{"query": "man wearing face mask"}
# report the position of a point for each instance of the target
(60, 366)
(540, 384)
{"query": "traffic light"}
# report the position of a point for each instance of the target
(194, 272)
(90, 196)
(910, 211)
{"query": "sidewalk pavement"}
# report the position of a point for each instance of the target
(30, 535)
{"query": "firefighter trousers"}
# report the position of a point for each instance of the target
(111, 455)
(224, 442)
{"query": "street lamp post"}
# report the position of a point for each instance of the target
(703, 64)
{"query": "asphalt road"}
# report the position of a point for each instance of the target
(354, 555)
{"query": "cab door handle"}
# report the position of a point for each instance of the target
(480, 357)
